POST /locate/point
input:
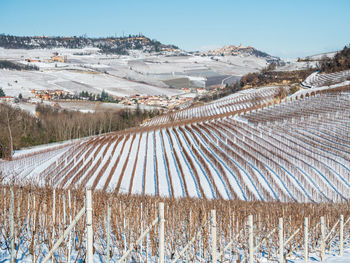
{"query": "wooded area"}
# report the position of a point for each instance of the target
(20, 129)
(266, 77)
(341, 61)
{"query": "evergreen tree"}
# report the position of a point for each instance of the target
(2, 93)
(104, 96)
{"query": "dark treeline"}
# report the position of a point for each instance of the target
(19, 129)
(109, 45)
(341, 61)
(5, 64)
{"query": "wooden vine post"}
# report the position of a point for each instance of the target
(213, 235)
(161, 232)
(280, 240)
(250, 239)
(90, 239)
(306, 240)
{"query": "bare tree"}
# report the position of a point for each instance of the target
(5, 121)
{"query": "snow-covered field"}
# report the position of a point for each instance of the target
(120, 75)
(74, 81)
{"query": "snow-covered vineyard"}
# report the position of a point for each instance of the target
(240, 101)
(35, 225)
(317, 79)
(295, 151)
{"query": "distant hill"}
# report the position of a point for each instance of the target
(319, 57)
(112, 45)
(240, 50)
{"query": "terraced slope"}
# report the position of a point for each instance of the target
(296, 151)
(317, 79)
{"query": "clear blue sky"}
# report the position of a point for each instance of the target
(286, 28)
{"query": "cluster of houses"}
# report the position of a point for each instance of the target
(49, 94)
(163, 101)
(171, 102)
(158, 100)
(8, 99)
(228, 50)
(54, 58)
(199, 91)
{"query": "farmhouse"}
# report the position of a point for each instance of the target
(7, 99)
(57, 58)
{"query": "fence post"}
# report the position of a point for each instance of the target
(161, 232)
(281, 240)
(323, 244)
(306, 240)
(213, 235)
(250, 239)
(108, 230)
(12, 208)
(341, 236)
(90, 240)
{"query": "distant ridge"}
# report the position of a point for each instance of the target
(122, 45)
(112, 45)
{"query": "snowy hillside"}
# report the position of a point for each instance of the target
(123, 67)
(295, 151)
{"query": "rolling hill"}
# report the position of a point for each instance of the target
(243, 146)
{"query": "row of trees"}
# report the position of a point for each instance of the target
(103, 96)
(19, 129)
(5, 64)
